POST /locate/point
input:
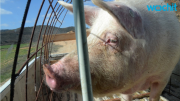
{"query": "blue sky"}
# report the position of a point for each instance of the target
(11, 13)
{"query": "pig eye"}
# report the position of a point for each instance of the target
(111, 41)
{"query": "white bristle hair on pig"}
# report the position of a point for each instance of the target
(130, 49)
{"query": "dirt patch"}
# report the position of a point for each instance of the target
(66, 46)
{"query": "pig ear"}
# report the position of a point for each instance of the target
(90, 12)
(128, 17)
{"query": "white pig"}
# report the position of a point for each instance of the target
(130, 49)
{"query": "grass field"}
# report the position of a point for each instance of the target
(7, 58)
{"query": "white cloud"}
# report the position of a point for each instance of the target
(42, 15)
(5, 1)
(2, 1)
(46, 20)
(88, 3)
(28, 21)
(4, 25)
(70, 13)
(3, 11)
(48, 15)
(18, 7)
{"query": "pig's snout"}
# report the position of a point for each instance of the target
(49, 76)
(59, 77)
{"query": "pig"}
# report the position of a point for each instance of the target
(130, 49)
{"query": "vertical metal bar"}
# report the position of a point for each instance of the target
(35, 86)
(40, 90)
(81, 40)
(13, 76)
(29, 51)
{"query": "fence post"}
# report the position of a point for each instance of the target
(81, 40)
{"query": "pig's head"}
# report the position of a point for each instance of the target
(115, 49)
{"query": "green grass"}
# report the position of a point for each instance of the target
(14, 46)
(7, 59)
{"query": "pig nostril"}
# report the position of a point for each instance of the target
(117, 5)
(49, 76)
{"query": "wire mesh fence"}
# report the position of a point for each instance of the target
(39, 48)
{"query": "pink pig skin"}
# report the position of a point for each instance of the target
(130, 49)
